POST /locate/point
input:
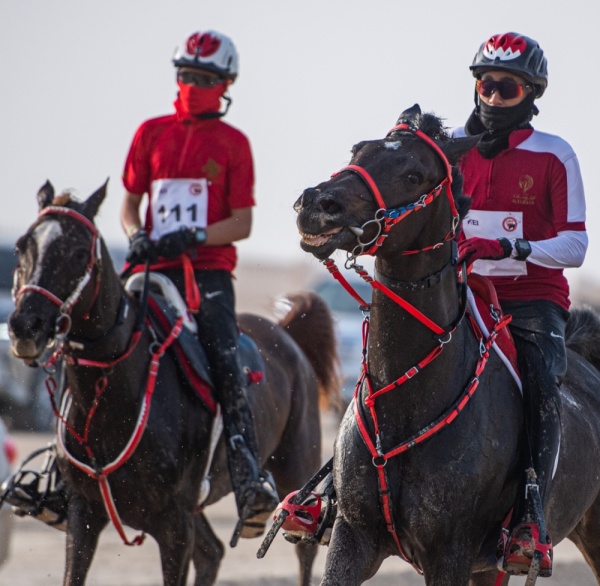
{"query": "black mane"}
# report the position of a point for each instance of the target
(433, 126)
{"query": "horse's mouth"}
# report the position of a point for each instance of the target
(30, 350)
(318, 240)
(325, 243)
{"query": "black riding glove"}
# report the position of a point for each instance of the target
(173, 244)
(141, 249)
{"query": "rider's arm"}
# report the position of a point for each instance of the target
(566, 250)
(236, 227)
(130, 213)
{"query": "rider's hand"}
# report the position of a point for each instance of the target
(173, 244)
(141, 249)
(482, 248)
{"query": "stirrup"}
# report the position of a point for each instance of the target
(260, 499)
(41, 495)
(523, 548)
(312, 519)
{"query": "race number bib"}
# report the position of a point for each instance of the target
(485, 224)
(178, 203)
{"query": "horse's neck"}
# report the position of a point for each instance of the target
(105, 330)
(398, 340)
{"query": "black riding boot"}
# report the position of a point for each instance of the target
(542, 403)
(254, 488)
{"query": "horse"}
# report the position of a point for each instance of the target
(69, 298)
(428, 459)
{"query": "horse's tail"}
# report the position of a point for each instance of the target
(310, 323)
(583, 334)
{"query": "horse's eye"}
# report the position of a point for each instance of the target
(20, 245)
(414, 178)
(80, 255)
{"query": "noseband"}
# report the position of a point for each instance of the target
(63, 321)
(386, 217)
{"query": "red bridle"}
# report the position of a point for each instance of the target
(386, 217)
(373, 440)
(67, 305)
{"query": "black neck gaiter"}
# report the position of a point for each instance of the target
(497, 123)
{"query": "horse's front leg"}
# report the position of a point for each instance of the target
(208, 552)
(173, 528)
(488, 579)
(84, 525)
(353, 555)
(450, 561)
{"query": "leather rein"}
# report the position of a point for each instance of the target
(387, 218)
(60, 352)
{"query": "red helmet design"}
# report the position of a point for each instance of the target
(202, 44)
(516, 53)
(505, 47)
(208, 50)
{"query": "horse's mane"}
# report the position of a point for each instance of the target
(583, 334)
(434, 127)
(64, 199)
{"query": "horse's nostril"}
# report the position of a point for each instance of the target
(329, 205)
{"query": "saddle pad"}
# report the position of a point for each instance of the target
(192, 359)
(481, 294)
(189, 354)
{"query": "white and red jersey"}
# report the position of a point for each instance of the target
(531, 190)
(195, 172)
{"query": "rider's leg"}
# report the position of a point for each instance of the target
(540, 346)
(254, 488)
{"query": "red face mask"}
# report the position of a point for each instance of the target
(195, 100)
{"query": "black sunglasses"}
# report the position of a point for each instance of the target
(507, 89)
(199, 79)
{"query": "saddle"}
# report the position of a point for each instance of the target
(165, 306)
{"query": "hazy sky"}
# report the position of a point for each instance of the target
(316, 76)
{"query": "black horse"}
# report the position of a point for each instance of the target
(69, 298)
(428, 461)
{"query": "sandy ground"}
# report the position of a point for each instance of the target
(37, 553)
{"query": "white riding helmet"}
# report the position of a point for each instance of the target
(209, 50)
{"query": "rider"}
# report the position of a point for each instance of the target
(525, 226)
(197, 174)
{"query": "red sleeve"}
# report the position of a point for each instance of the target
(241, 175)
(136, 175)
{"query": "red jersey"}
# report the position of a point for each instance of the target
(195, 172)
(532, 190)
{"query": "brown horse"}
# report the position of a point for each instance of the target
(71, 307)
(428, 462)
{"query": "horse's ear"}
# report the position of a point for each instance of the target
(455, 148)
(45, 195)
(93, 203)
(412, 116)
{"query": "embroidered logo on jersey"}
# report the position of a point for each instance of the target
(504, 47)
(212, 169)
(202, 45)
(510, 224)
(523, 198)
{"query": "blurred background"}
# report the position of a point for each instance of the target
(315, 78)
